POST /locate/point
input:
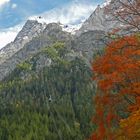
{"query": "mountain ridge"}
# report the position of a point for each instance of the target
(90, 38)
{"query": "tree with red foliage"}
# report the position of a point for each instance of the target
(117, 74)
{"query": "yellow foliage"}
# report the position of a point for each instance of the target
(130, 127)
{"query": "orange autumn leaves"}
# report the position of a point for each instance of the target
(117, 74)
(119, 64)
(130, 127)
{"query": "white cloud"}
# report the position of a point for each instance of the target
(69, 14)
(3, 2)
(73, 13)
(14, 5)
(8, 35)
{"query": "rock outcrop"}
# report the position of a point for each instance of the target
(90, 38)
(30, 30)
(100, 20)
(42, 38)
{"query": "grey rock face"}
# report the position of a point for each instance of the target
(89, 42)
(89, 39)
(42, 61)
(50, 34)
(35, 36)
(101, 20)
(30, 30)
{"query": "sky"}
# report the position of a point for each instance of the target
(14, 14)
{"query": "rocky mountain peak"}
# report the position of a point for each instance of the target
(30, 40)
(52, 26)
(32, 28)
(36, 35)
(100, 19)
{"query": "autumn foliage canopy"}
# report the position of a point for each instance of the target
(117, 74)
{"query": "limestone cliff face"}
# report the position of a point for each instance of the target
(30, 30)
(100, 19)
(37, 36)
(90, 38)
(89, 43)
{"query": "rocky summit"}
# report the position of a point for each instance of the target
(35, 35)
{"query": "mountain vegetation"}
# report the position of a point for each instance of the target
(117, 73)
(48, 104)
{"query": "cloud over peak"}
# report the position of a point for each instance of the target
(3, 2)
(8, 35)
(14, 5)
(73, 13)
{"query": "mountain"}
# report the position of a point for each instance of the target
(100, 19)
(30, 39)
(91, 37)
(30, 30)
